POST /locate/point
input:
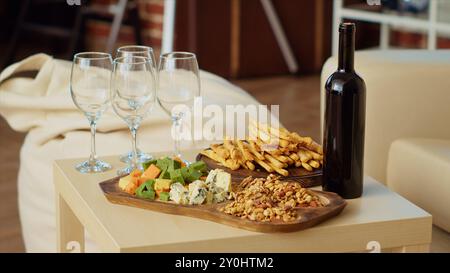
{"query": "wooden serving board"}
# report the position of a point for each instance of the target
(307, 217)
(306, 178)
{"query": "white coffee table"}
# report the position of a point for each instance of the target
(380, 219)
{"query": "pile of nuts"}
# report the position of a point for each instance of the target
(268, 199)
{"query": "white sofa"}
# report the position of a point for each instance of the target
(407, 143)
(42, 107)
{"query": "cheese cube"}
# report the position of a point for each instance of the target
(162, 185)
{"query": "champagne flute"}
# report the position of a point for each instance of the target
(90, 90)
(133, 96)
(179, 85)
(140, 51)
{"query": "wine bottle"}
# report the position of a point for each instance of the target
(344, 124)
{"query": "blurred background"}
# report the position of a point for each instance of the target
(231, 38)
(275, 49)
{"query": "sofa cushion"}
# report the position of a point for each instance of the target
(419, 170)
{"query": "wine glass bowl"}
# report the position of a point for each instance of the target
(178, 85)
(133, 96)
(139, 51)
(90, 91)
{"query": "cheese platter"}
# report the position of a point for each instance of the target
(258, 184)
(269, 204)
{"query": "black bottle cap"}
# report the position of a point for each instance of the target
(347, 27)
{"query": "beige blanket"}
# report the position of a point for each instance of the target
(42, 106)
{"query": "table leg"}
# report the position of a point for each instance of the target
(70, 232)
(424, 248)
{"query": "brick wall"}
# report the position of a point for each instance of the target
(405, 39)
(151, 15)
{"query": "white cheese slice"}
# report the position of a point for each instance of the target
(223, 181)
(220, 197)
(218, 180)
(211, 178)
(124, 181)
(178, 194)
(219, 185)
(197, 192)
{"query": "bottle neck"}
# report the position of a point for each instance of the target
(346, 51)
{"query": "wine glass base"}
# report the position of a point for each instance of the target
(98, 166)
(142, 157)
(124, 171)
(182, 159)
(127, 170)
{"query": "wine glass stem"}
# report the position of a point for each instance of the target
(134, 158)
(176, 140)
(93, 157)
(133, 143)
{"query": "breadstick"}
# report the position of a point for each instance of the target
(280, 133)
(228, 144)
(236, 154)
(314, 164)
(314, 146)
(283, 172)
(315, 155)
(284, 143)
(283, 158)
(265, 165)
(250, 165)
(304, 156)
(274, 162)
(232, 164)
(211, 154)
(245, 153)
(294, 157)
(292, 147)
(273, 148)
(307, 167)
(252, 147)
(283, 133)
(262, 134)
(301, 140)
(220, 150)
(290, 161)
(253, 133)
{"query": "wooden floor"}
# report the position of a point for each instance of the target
(10, 234)
(298, 98)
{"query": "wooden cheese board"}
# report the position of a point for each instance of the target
(306, 217)
(305, 178)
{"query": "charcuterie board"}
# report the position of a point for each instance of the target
(306, 217)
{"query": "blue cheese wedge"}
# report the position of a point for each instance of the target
(179, 194)
(219, 184)
(209, 197)
(218, 180)
(220, 197)
(198, 192)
